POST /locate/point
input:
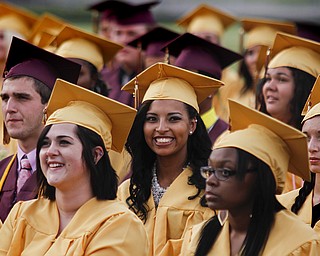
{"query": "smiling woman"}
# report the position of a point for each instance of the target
(168, 143)
(77, 184)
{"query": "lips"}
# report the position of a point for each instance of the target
(55, 164)
(314, 160)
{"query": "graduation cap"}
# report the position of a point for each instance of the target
(25, 59)
(296, 52)
(206, 18)
(312, 108)
(16, 19)
(125, 13)
(195, 53)
(110, 119)
(163, 81)
(152, 41)
(282, 147)
(263, 32)
(47, 24)
(72, 42)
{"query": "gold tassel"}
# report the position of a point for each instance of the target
(136, 94)
(44, 116)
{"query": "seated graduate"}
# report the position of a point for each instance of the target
(77, 212)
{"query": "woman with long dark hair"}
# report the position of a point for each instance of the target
(305, 201)
(246, 169)
(168, 143)
(77, 212)
(290, 74)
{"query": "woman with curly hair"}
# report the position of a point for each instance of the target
(246, 170)
(168, 143)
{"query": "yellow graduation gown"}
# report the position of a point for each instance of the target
(305, 212)
(167, 224)
(97, 228)
(288, 236)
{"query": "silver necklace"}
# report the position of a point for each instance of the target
(157, 190)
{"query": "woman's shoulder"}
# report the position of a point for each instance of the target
(287, 199)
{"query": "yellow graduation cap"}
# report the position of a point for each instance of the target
(263, 32)
(76, 43)
(163, 81)
(110, 119)
(312, 106)
(48, 23)
(16, 19)
(296, 52)
(206, 19)
(279, 145)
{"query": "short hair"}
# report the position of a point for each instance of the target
(41, 88)
(103, 178)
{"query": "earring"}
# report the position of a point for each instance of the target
(190, 133)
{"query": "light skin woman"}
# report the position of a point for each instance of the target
(77, 185)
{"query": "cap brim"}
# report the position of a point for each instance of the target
(202, 85)
(108, 48)
(314, 97)
(121, 115)
(21, 51)
(241, 117)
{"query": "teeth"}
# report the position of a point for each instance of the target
(55, 165)
(163, 140)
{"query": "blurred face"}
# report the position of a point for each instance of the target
(3, 47)
(209, 36)
(22, 109)
(233, 194)
(251, 58)
(167, 127)
(61, 158)
(311, 128)
(85, 80)
(123, 34)
(278, 91)
(104, 28)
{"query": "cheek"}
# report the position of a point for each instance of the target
(43, 158)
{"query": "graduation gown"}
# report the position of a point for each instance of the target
(114, 77)
(288, 236)
(305, 212)
(8, 193)
(167, 224)
(99, 227)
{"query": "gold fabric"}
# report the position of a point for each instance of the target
(167, 224)
(312, 108)
(288, 236)
(97, 228)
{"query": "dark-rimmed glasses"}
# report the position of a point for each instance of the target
(220, 173)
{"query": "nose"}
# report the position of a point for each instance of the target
(162, 126)
(52, 150)
(212, 180)
(9, 106)
(313, 145)
(270, 84)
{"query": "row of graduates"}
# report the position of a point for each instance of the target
(158, 178)
(77, 211)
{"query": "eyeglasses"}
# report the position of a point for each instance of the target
(221, 174)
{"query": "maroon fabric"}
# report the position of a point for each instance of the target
(37, 69)
(8, 193)
(113, 77)
(218, 128)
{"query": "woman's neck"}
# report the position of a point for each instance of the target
(69, 203)
(168, 169)
(316, 190)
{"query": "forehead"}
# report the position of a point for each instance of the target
(279, 70)
(63, 129)
(167, 106)
(220, 155)
(22, 84)
(311, 124)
